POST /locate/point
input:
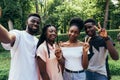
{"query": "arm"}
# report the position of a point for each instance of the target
(110, 47)
(42, 68)
(86, 47)
(112, 51)
(61, 61)
(5, 36)
(59, 56)
(85, 59)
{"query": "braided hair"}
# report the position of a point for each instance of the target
(44, 38)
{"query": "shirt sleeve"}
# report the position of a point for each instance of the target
(41, 52)
(8, 45)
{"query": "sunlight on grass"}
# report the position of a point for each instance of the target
(114, 77)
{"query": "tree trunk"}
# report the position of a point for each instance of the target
(0, 11)
(106, 14)
(10, 24)
(36, 5)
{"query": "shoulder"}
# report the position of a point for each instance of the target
(15, 31)
(67, 44)
(80, 43)
(42, 45)
(63, 44)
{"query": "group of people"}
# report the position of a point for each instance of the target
(45, 59)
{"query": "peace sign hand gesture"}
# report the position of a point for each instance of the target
(58, 52)
(86, 45)
(102, 31)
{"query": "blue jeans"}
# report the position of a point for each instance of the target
(74, 76)
(95, 76)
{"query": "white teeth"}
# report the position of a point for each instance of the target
(34, 27)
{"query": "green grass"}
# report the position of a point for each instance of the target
(4, 65)
(115, 77)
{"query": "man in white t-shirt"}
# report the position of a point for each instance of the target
(22, 46)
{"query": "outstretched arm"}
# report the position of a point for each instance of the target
(5, 36)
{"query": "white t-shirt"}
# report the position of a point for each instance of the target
(73, 57)
(97, 62)
(23, 65)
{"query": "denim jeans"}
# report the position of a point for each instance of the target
(95, 76)
(74, 76)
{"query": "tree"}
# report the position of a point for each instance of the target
(14, 12)
(9, 11)
(106, 14)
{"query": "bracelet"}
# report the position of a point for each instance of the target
(106, 38)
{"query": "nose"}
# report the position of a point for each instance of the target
(54, 32)
(72, 34)
(87, 29)
(35, 23)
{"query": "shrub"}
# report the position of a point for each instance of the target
(114, 67)
(111, 33)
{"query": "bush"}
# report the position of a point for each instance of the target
(4, 74)
(1, 48)
(4, 65)
(111, 33)
(114, 67)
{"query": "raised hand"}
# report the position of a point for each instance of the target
(58, 52)
(102, 31)
(86, 45)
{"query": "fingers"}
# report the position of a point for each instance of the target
(103, 33)
(87, 39)
(57, 45)
(99, 28)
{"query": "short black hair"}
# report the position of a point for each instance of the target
(78, 22)
(90, 20)
(34, 14)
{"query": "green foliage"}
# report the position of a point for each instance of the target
(62, 15)
(1, 48)
(114, 67)
(4, 65)
(15, 10)
(59, 12)
(111, 33)
(114, 12)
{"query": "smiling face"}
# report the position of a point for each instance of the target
(51, 34)
(33, 23)
(90, 29)
(73, 33)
